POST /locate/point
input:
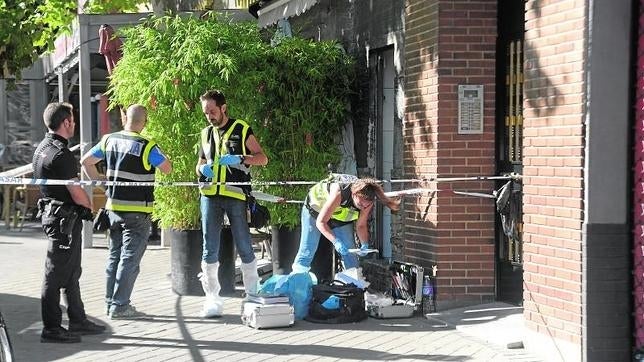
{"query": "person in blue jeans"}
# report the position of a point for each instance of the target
(128, 156)
(331, 208)
(228, 150)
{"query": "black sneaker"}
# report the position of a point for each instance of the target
(86, 327)
(58, 335)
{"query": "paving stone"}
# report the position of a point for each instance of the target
(173, 330)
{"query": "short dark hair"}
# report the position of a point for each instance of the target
(214, 95)
(56, 113)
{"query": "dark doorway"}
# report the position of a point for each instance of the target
(509, 142)
(382, 90)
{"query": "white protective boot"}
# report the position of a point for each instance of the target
(213, 306)
(250, 276)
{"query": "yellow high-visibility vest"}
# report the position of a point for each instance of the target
(232, 173)
(319, 193)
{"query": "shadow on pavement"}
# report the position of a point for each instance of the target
(23, 319)
(24, 323)
(197, 347)
(231, 316)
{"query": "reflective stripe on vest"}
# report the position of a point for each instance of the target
(319, 193)
(129, 175)
(129, 205)
(222, 172)
(130, 151)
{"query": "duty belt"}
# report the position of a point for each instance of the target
(66, 213)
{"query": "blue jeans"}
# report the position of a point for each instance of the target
(129, 232)
(212, 217)
(310, 238)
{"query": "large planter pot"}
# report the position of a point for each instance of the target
(322, 264)
(185, 259)
(285, 244)
(227, 258)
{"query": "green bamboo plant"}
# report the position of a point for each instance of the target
(306, 101)
(294, 96)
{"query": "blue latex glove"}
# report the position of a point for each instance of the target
(206, 170)
(364, 249)
(332, 303)
(340, 248)
(229, 159)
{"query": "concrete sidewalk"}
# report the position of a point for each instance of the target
(174, 332)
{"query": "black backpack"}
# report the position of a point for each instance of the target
(352, 307)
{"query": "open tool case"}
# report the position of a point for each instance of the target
(401, 281)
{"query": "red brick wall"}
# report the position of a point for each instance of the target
(553, 167)
(448, 43)
(421, 120)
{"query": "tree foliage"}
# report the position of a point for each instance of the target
(28, 28)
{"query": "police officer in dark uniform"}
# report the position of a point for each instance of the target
(62, 208)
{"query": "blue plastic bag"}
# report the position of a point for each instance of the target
(297, 286)
(271, 284)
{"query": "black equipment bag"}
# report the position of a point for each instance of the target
(351, 303)
(259, 215)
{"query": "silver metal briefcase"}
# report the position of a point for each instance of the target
(263, 316)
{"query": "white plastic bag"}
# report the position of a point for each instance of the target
(353, 276)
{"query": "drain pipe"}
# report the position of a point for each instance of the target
(638, 182)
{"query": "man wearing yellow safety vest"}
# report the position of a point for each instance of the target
(228, 148)
(129, 156)
(331, 208)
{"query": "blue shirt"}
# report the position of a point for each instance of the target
(155, 158)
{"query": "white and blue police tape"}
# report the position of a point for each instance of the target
(5, 179)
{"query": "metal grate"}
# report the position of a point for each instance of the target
(514, 110)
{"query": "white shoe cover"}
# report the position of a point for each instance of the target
(213, 306)
(250, 276)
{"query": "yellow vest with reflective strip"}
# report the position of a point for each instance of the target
(319, 193)
(232, 173)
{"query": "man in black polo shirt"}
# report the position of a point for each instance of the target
(63, 208)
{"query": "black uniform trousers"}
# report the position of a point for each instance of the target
(62, 271)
